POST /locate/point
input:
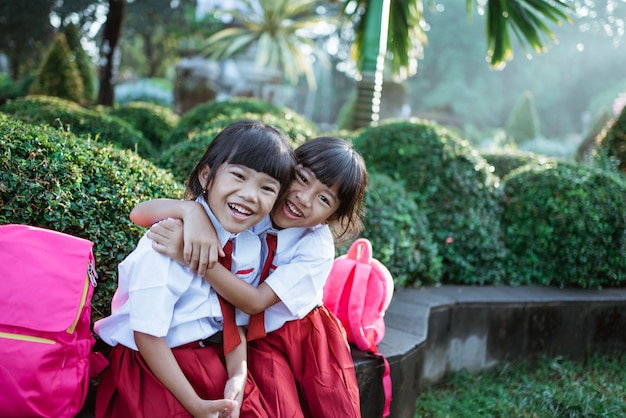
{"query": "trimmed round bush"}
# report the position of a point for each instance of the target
(454, 187)
(613, 142)
(154, 121)
(399, 233)
(200, 118)
(506, 161)
(565, 225)
(58, 75)
(53, 179)
(181, 158)
(90, 124)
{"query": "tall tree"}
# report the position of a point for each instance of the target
(402, 20)
(25, 32)
(109, 51)
(157, 26)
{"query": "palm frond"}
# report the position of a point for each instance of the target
(526, 18)
(274, 26)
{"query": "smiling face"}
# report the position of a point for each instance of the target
(309, 202)
(239, 196)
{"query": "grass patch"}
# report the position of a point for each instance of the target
(544, 387)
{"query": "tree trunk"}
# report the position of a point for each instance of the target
(111, 36)
(369, 88)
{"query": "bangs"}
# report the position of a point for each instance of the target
(264, 155)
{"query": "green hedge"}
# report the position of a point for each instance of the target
(565, 225)
(154, 121)
(67, 115)
(508, 160)
(53, 179)
(399, 233)
(200, 118)
(182, 157)
(454, 187)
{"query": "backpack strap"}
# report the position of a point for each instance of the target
(361, 251)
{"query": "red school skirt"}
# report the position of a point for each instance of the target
(305, 369)
(127, 388)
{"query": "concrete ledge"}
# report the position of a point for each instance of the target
(432, 332)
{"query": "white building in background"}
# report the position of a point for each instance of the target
(206, 6)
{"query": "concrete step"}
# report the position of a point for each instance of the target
(434, 331)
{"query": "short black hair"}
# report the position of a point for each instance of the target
(249, 143)
(334, 161)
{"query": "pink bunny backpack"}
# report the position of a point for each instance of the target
(358, 291)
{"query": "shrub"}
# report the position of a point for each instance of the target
(523, 122)
(154, 121)
(564, 225)
(58, 75)
(508, 160)
(588, 144)
(399, 233)
(452, 184)
(83, 62)
(11, 90)
(613, 143)
(200, 117)
(90, 124)
(182, 157)
(53, 179)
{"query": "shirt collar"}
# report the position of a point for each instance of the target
(223, 235)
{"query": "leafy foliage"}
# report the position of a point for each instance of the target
(564, 225)
(278, 30)
(523, 122)
(505, 161)
(25, 31)
(154, 121)
(182, 157)
(58, 75)
(151, 36)
(11, 90)
(613, 142)
(53, 179)
(405, 35)
(454, 187)
(527, 19)
(201, 117)
(399, 233)
(83, 62)
(64, 114)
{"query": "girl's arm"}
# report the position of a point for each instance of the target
(237, 369)
(163, 364)
(168, 236)
(201, 247)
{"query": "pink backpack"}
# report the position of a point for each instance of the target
(47, 281)
(358, 291)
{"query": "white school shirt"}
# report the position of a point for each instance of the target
(303, 259)
(160, 297)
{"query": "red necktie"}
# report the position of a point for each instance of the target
(256, 327)
(231, 335)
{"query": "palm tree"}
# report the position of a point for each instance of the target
(278, 29)
(394, 28)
